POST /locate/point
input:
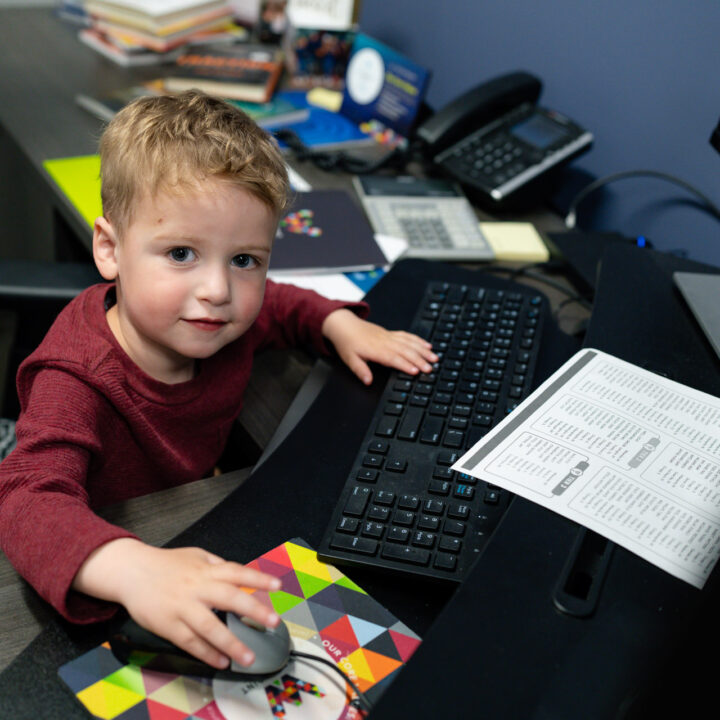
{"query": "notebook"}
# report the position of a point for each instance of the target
(702, 294)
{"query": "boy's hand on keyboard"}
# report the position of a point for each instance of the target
(172, 593)
(358, 342)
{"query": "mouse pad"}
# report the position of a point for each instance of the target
(327, 615)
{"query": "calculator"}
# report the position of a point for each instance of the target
(432, 215)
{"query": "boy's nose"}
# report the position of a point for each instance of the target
(215, 286)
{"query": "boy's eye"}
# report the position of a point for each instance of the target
(244, 261)
(182, 254)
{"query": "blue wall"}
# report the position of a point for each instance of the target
(642, 75)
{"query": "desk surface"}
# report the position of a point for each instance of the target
(44, 66)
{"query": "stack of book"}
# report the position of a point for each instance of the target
(238, 71)
(141, 32)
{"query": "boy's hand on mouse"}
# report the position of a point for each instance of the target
(358, 342)
(172, 593)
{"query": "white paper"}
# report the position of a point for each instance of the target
(297, 181)
(335, 286)
(393, 247)
(321, 14)
(627, 453)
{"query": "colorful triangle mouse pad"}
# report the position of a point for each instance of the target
(327, 614)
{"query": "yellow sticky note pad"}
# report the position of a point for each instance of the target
(325, 98)
(79, 178)
(515, 241)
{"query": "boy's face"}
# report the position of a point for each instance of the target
(190, 273)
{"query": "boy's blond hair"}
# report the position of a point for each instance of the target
(172, 141)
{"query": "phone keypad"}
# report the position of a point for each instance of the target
(493, 160)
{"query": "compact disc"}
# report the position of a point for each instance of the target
(365, 76)
(306, 690)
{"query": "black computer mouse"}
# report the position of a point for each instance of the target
(132, 643)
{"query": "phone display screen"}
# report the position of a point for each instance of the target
(539, 131)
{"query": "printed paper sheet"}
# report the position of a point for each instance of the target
(623, 451)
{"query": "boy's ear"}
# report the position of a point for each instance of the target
(105, 248)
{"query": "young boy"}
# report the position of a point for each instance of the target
(138, 382)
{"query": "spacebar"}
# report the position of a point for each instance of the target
(416, 556)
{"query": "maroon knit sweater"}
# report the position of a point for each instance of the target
(95, 429)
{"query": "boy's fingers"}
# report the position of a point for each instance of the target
(227, 596)
(359, 367)
(220, 640)
(195, 642)
(414, 339)
(405, 359)
(242, 575)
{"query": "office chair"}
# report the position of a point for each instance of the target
(32, 293)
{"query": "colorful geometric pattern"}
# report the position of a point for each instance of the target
(300, 222)
(287, 690)
(317, 602)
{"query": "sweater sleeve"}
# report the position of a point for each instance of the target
(293, 316)
(47, 528)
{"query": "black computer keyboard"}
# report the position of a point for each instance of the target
(402, 508)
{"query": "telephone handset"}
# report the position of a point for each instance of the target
(497, 142)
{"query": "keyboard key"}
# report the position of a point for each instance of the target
(410, 424)
(367, 476)
(348, 525)
(378, 447)
(404, 517)
(379, 512)
(445, 561)
(434, 507)
(443, 473)
(429, 522)
(386, 426)
(398, 534)
(357, 502)
(396, 466)
(454, 438)
(431, 430)
(492, 497)
(372, 529)
(450, 544)
(384, 497)
(454, 527)
(439, 487)
(423, 539)
(394, 409)
(409, 502)
(403, 553)
(354, 544)
(447, 457)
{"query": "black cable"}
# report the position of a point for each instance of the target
(526, 271)
(361, 696)
(571, 214)
(340, 160)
